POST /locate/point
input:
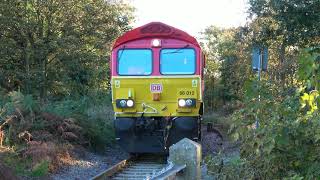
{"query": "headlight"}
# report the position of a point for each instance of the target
(156, 43)
(187, 102)
(182, 102)
(130, 103)
(124, 103)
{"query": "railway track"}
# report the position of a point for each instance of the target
(135, 168)
(154, 167)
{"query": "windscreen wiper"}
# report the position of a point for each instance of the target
(177, 50)
(123, 48)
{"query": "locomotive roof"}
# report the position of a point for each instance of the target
(155, 30)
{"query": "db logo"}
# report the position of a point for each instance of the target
(156, 88)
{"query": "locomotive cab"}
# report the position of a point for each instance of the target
(157, 88)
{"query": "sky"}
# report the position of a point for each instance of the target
(192, 16)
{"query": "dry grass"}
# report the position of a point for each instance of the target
(42, 143)
(1, 138)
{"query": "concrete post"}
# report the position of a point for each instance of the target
(189, 153)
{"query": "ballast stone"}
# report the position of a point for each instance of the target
(187, 152)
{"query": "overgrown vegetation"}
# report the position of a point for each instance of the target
(54, 79)
(40, 136)
(278, 132)
(52, 49)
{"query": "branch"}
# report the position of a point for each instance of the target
(7, 121)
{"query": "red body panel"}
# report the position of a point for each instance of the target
(146, 43)
(155, 29)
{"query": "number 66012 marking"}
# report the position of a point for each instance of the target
(186, 93)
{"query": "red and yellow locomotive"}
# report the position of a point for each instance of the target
(157, 88)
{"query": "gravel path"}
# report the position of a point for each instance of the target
(211, 142)
(89, 164)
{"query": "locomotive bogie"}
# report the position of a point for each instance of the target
(151, 135)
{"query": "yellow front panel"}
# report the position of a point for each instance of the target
(173, 88)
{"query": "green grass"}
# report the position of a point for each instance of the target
(22, 166)
(40, 169)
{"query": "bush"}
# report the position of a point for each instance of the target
(41, 169)
(98, 132)
(286, 142)
(41, 134)
(233, 168)
(93, 113)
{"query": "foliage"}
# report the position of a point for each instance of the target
(41, 169)
(57, 48)
(54, 59)
(309, 75)
(284, 27)
(233, 168)
(21, 165)
(99, 133)
(296, 21)
(53, 130)
(94, 114)
(13, 159)
(286, 142)
(227, 64)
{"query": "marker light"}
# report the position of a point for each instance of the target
(156, 43)
(189, 102)
(123, 103)
(182, 102)
(130, 103)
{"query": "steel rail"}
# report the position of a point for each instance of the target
(107, 174)
(170, 173)
(133, 168)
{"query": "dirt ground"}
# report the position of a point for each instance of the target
(86, 165)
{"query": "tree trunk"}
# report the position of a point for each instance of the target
(282, 56)
(27, 69)
(43, 90)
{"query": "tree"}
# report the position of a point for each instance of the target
(58, 47)
(297, 21)
(286, 26)
(228, 62)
